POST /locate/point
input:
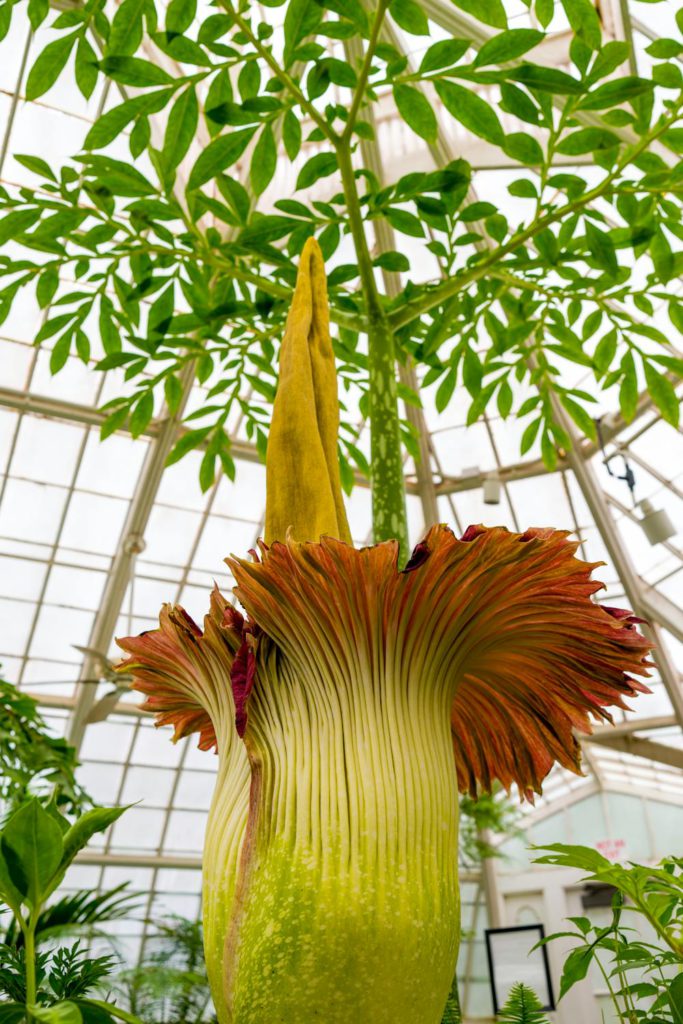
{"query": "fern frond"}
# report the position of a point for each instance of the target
(522, 1007)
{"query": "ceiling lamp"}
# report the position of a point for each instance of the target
(656, 524)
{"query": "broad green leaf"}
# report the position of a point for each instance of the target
(471, 110)
(187, 443)
(12, 1013)
(663, 393)
(491, 12)
(134, 71)
(583, 18)
(180, 14)
(249, 80)
(32, 847)
(319, 166)
(84, 828)
(9, 893)
(61, 351)
(416, 111)
(47, 285)
(181, 127)
(220, 154)
(610, 56)
(126, 28)
(302, 19)
(444, 54)
(263, 161)
(410, 16)
(576, 967)
(508, 46)
(115, 1011)
(49, 66)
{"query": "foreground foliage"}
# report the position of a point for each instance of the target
(644, 978)
(180, 262)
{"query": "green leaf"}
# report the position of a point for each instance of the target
(263, 161)
(662, 256)
(583, 420)
(601, 248)
(49, 66)
(32, 847)
(584, 20)
(85, 68)
(12, 1013)
(395, 262)
(141, 414)
(529, 435)
(409, 16)
(588, 140)
(302, 19)
(291, 134)
(471, 111)
(207, 471)
(444, 54)
(576, 967)
(37, 165)
(416, 111)
(220, 154)
(491, 12)
(611, 94)
(60, 353)
(628, 389)
(181, 127)
(134, 71)
(405, 222)
(187, 443)
(126, 28)
(508, 45)
(445, 390)
(37, 12)
(113, 1010)
(546, 79)
(59, 1013)
(180, 14)
(84, 828)
(662, 393)
(319, 166)
(523, 148)
(605, 351)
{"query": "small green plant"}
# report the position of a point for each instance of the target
(644, 978)
(522, 1007)
(37, 846)
(33, 763)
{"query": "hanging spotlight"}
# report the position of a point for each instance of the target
(656, 524)
(492, 489)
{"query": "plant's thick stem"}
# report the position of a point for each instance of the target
(30, 960)
(389, 518)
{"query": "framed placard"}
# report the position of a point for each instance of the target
(510, 956)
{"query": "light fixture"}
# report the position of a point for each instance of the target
(656, 524)
(492, 489)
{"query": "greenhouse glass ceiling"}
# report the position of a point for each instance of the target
(95, 536)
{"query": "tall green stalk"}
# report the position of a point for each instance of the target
(389, 518)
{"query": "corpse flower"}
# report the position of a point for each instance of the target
(349, 707)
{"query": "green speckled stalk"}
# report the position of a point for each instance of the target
(347, 906)
(389, 519)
